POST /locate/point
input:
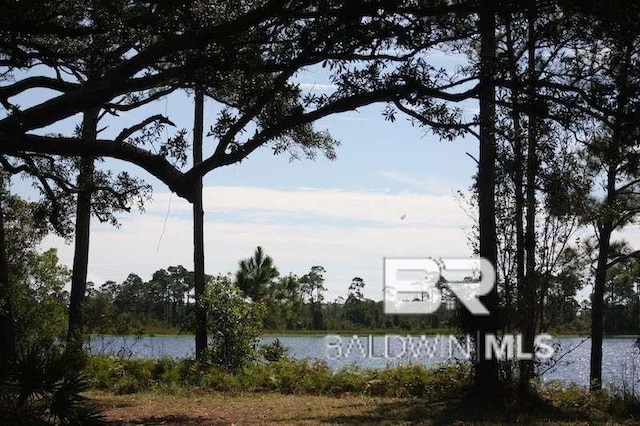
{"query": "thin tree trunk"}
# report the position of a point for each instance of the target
(82, 234)
(530, 281)
(486, 371)
(595, 374)
(7, 328)
(518, 178)
(198, 231)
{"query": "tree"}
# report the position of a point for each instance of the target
(486, 370)
(234, 324)
(171, 52)
(599, 79)
(100, 313)
(354, 304)
(619, 208)
(41, 300)
(312, 287)
(256, 274)
(33, 293)
(355, 289)
(131, 295)
(71, 65)
(284, 304)
(622, 302)
(150, 48)
(198, 229)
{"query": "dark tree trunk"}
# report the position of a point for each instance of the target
(605, 230)
(530, 281)
(7, 328)
(486, 370)
(595, 375)
(198, 231)
(518, 179)
(82, 234)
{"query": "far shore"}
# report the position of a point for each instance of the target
(360, 332)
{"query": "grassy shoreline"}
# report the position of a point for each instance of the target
(167, 391)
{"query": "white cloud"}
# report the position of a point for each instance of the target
(428, 184)
(324, 205)
(433, 226)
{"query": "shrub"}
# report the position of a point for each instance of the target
(42, 386)
(285, 375)
(351, 379)
(273, 351)
(234, 324)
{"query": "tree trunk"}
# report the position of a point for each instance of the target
(198, 231)
(595, 375)
(7, 328)
(486, 370)
(605, 229)
(518, 179)
(82, 230)
(529, 287)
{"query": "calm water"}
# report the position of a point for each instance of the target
(621, 360)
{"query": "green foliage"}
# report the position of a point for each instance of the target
(312, 287)
(284, 375)
(234, 324)
(273, 351)
(160, 304)
(432, 385)
(284, 304)
(40, 299)
(256, 274)
(574, 399)
(42, 386)
(622, 298)
(36, 279)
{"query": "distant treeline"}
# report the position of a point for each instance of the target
(165, 303)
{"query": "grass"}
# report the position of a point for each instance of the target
(221, 408)
(288, 391)
(195, 407)
(285, 375)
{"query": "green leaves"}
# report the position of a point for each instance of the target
(256, 274)
(234, 324)
(42, 386)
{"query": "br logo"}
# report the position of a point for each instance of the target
(411, 284)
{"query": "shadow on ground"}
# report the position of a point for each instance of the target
(464, 410)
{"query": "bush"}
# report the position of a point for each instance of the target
(273, 351)
(234, 324)
(285, 375)
(42, 386)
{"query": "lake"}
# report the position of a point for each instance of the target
(621, 360)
